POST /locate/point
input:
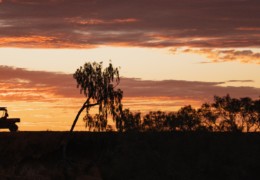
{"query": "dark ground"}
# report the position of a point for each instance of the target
(38, 155)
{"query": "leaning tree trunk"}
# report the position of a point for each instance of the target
(67, 138)
(77, 117)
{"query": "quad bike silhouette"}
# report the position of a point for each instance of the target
(7, 123)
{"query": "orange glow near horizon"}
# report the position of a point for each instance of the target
(58, 115)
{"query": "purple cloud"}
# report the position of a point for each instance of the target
(21, 84)
(147, 23)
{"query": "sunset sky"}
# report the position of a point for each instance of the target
(171, 53)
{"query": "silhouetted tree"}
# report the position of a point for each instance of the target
(247, 114)
(154, 121)
(172, 122)
(98, 85)
(128, 121)
(188, 119)
(227, 109)
(208, 117)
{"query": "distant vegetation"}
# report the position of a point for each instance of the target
(225, 114)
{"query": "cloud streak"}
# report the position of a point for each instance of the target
(196, 90)
(18, 84)
(21, 84)
(227, 55)
(146, 23)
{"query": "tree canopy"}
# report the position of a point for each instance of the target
(99, 87)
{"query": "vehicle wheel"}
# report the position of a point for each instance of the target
(13, 128)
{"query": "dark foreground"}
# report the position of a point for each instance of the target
(38, 155)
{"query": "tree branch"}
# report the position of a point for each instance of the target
(90, 105)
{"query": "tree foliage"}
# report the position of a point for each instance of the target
(154, 121)
(98, 85)
(128, 121)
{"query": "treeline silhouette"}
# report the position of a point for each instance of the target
(225, 114)
(99, 85)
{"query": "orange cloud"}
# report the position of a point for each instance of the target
(39, 42)
(127, 20)
(216, 55)
(39, 39)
